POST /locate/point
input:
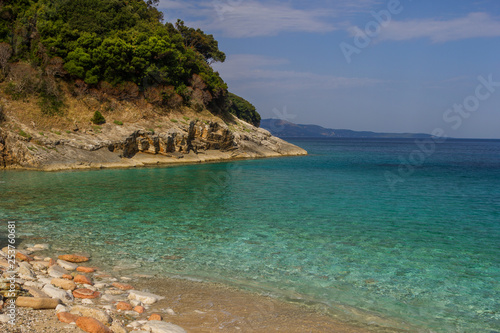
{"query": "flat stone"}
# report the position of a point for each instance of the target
(86, 293)
(144, 297)
(82, 279)
(64, 284)
(61, 308)
(57, 293)
(139, 309)
(92, 325)
(85, 269)
(67, 317)
(85, 311)
(39, 265)
(36, 292)
(123, 306)
(163, 327)
(122, 286)
(155, 316)
(73, 258)
(42, 246)
(37, 302)
(56, 271)
(67, 265)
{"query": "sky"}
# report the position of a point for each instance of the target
(379, 65)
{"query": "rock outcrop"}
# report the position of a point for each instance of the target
(132, 145)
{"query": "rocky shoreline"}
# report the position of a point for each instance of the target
(139, 144)
(66, 293)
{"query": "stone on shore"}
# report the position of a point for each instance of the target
(40, 265)
(123, 306)
(42, 246)
(73, 258)
(144, 297)
(37, 302)
(82, 279)
(155, 316)
(67, 317)
(23, 257)
(36, 292)
(86, 293)
(67, 265)
(56, 271)
(84, 269)
(57, 293)
(92, 325)
(97, 314)
(64, 284)
(122, 286)
(139, 309)
(163, 327)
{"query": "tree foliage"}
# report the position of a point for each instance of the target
(243, 109)
(115, 41)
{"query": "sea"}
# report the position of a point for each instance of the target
(396, 231)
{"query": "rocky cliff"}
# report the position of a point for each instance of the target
(137, 144)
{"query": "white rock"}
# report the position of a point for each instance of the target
(101, 285)
(57, 293)
(25, 269)
(100, 315)
(43, 280)
(132, 313)
(134, 324)
(109, 298)
(89, 286)
(27, 277)
(42, 246)
(170, 312)
(87, 301)
(144, 297)
(61, 308)
(56, 271)
(40, 265)
(67, 265)
(38, 285)
(125, 278)
(47, 259)
(135, 303)
(4, 318)
(108, 307)
(162, 327)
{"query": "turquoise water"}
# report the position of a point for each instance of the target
(326, 228)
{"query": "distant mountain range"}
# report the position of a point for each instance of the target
(285, 129)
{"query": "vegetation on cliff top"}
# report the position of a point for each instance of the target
(120, 47)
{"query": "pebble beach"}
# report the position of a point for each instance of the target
(66, 293)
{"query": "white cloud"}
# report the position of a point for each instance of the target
(474, 25)
(253, 18)
(259, 72)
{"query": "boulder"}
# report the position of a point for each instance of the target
(37, 302)
(92, 325)
(144, 297)
(64, 284)
(73, 258)
(163, 327)
(67, 265)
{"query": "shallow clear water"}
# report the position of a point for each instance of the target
(327, 227)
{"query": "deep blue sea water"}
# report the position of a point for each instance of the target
(367, 228)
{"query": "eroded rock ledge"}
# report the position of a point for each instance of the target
(133, 145)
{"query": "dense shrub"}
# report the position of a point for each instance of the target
(98, 118)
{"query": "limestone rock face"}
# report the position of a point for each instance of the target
(121, 146)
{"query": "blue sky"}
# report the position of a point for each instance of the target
(379, 65)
